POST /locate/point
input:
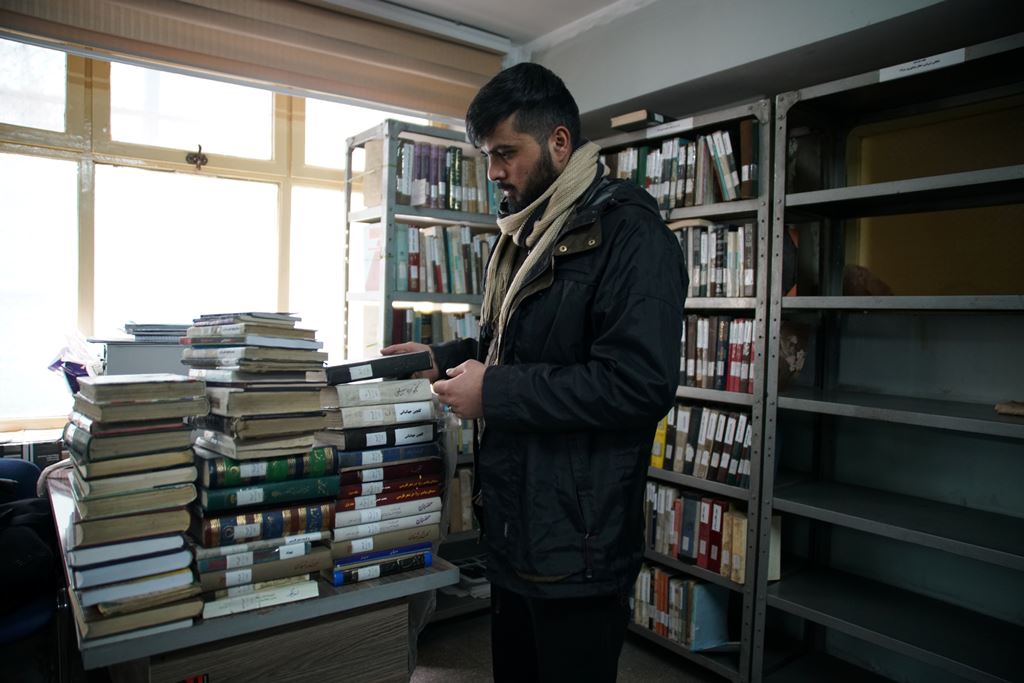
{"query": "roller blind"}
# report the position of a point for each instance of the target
(270, 43)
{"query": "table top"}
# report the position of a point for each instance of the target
(331, 601)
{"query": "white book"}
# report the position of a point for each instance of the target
(255, 340)
(375, 393)
(111, 552)
(131, 569)
(389, 414)
(382, 512)
(261, 599)
(349, 533)
(136, 587)
(202, 553)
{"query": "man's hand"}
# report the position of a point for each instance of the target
(464, 390)
(411, 347)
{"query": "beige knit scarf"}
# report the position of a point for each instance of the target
(502, 285)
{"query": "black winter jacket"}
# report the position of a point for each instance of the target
(590, 364)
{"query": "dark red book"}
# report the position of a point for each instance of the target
(374, 500)
(370, 488)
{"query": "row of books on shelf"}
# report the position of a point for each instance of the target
(721, 257)
(279, 479)
(447, 259)
(431, 328)
(692, 172)
(718, 353)
(689, 612)
(706, 443)
(709, 532)
(443, 177)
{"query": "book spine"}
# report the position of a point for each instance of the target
(316, 561)
(344, 577)
(216, 500)
(231, 529)
(388, 486)
(384, 512)
(356, 531)
(395, 471)
(374, 500)
(385, 541)
(372, 555)
(249, 558)
(260, 599)
(226, 472)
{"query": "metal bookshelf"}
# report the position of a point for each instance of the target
(899, 618)
(734, 666)
(389, 213)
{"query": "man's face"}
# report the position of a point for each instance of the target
(520, 166)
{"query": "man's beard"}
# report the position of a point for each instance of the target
(537, 182)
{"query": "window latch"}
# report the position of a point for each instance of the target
(197, 159)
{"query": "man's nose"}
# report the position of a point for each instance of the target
(495, 171)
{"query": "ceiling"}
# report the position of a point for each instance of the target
(521, 21)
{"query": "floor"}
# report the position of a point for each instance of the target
(459, 651)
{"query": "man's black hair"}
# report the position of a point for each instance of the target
(538, 97)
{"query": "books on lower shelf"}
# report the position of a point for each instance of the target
(449, 259)
(707, 532)
(689, 612)
(706, 443)
(408, 324)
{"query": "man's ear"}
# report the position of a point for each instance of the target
(560, 146)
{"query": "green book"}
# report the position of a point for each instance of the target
(222, 472)
(270, 493)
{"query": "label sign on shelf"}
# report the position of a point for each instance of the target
(921, 65)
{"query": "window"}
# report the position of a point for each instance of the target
(149, 107)
(171, 246)
(32, 86)
(102, 229)
(38, 281)
(329, 124)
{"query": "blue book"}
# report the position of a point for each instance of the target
(707, 611)
(378, 456)
(691, 521)
(344, 576)
(382, 554)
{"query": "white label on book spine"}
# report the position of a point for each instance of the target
(365, 502)
(250, 496)
(414, 434)
(372, 457)
(375, 474)
(291, 551)
(921, 65)
(377, 439)
(412, 412)
(247, 531)
(361, 371)
(370, 515)
(244, 589)
(372, 488)
(239, 560)
(237, 577)
(302, 538)
(362, 545)
(369, 394)
(367, 573)
(248, 470)
(372, 415)
(368, 529)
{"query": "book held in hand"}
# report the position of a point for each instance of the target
(398, 365)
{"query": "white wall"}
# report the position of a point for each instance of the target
(671, 42)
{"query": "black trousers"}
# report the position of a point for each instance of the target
(564, 639)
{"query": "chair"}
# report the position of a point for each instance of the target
(18, 482)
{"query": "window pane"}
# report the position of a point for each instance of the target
(316, 289)
(38, 281)
(33, 86)
(171, 246)
(329, 124)
(150, 107)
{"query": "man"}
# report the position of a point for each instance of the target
(576, 362)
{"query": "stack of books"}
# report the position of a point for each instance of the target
(388, 510)
(125, 500)
(266, 495)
